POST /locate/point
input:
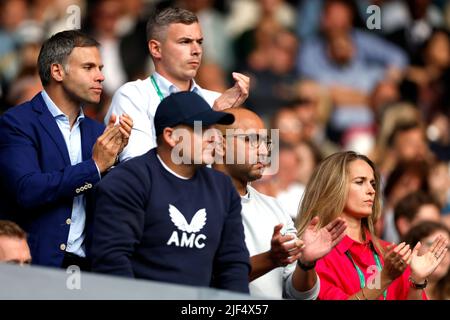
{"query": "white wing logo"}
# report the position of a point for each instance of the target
(197, 223)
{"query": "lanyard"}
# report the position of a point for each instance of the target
(362, 280)
(158, 91)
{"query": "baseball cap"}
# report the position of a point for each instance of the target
(184, 108)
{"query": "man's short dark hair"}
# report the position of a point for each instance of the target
(417, 168)
(352, 6)
(401, 128)
(160, 20)
(409, 206)
(57, 49)
(10, 229)
(423, 230)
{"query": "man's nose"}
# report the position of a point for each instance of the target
(263, 148)
(100, 77)
(196, 48)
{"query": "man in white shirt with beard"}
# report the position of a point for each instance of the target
(175, 43)
(282, 264)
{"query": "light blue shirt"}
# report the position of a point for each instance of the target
(357, 76)
(309, 14)
(373, 56)
(167, 88)
(370, 49)
(73, 142)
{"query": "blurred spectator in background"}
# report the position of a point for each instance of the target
(439, 182)
(211, 75)
(120, 27)
(266, 50)
(20, 41)
(407, 177)
(427, 80)
(413, 209)
(26, 85)
(406, 142)
(58, 15)
(312, 105)
(133, 13)
(427, 84)
(338, 17)
(350, 82)
(13, 244)
(217, 42)
(350, 63)
(309, 12)
(288, 124)
(415, 20)
(412, 18)
(438, 132)
(288, 190)
(409, 142)
(13, 14)
(270, 66)
(246, 14)
(309, 155)
(284, 185)
(250, 47)
(383, 96)
(438, 287)
(388, 119)
(110, 21)
(104, 20)
(359, 139)
(44, 11)
(131, 28)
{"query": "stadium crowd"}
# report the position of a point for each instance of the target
(362, 112)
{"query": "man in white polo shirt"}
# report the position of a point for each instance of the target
(282, 264)
(175, 43)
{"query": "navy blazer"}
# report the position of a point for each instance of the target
(37, 181)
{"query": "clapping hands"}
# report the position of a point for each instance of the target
(397, 259)
(319, 242)
(314, 244)
(234, 96)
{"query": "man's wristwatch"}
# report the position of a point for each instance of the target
(306, 266)
(416, 285)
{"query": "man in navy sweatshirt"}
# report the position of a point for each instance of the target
(165, 216)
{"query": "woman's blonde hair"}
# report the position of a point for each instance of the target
(326, 193)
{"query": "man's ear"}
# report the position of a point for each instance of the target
(57, 72)
(169, 138)
(154, 47)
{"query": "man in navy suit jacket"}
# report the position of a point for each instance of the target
(51, 155)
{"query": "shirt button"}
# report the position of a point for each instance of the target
(68, 221)
(62, 247)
